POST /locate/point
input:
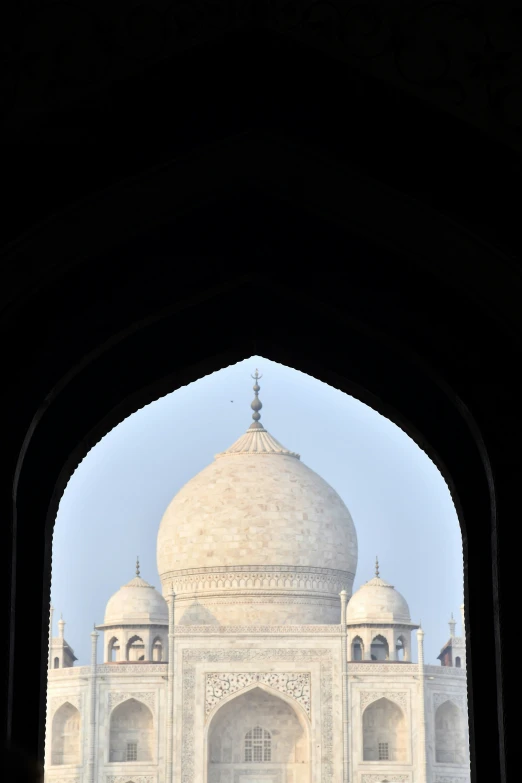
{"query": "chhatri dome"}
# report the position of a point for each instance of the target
(257, 537)
(378, 602)
(136, 603)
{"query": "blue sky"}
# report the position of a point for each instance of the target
(111, 509)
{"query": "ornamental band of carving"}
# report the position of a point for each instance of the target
(394, 777)
(294, 684)
(399, 697)
(292, 656)
(247, 630)
(451, 779)
(62, 779)
(259, 578)
(130, 778)
(148, 698)
(129, 668)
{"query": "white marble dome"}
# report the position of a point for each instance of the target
(377, 602)
(257, 537)
(136, 603)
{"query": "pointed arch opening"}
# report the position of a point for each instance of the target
(357, 648)
(135, 649)
(131, 732)
(257, 732)
(157, 649)
(384, 732)
(450, 741)
(400, 649)
(66, 735)
(113, 650)
(379, 649)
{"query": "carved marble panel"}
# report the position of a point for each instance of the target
(391, 777)
(399, 697)
(220, 685)
(148, 698)
(131, 778)
(451, 779)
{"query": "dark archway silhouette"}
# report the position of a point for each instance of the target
(394, 300)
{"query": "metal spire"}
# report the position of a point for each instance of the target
(137, 566)
(256, 403)
(377, 567)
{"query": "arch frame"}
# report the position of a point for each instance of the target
(300, 712)
(355, 377)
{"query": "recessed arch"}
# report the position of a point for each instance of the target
(66, 735)
(384, 732)
(131, 732)
(259, 726)
(450, 739)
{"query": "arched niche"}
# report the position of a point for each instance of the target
(131, 733)
(260, 729)
(450, 739)
(66, 735)
(384, 732)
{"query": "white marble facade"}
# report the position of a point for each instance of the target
(256, 664)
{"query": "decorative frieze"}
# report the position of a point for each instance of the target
(191, 657)
(382, 668)
(206, 581)
(451, 779)
(399, 697)
(148, 698)
(220, 685)
(391, 777)
(61, 779)
(444, 671)
(131, 778)
(129, 668)
(258, 630)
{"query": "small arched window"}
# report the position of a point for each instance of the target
(457, 663)
(258, 745)
(56, 663)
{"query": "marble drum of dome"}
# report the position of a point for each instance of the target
(257, 538)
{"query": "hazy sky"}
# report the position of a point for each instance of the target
(113, 504)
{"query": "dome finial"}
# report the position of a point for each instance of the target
(256, 403)
(137, 565)
(377, 567)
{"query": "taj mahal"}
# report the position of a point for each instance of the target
(256, 663)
